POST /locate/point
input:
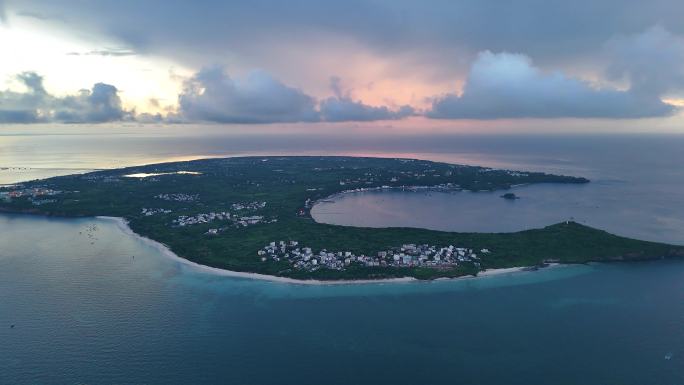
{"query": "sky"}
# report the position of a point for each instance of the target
(482, 64)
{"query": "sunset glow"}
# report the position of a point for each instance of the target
(410, 74)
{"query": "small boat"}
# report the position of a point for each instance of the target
(668, 356)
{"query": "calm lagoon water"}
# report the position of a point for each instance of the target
(92, 305)
(614, 206)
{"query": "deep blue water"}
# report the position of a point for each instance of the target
(87, 312)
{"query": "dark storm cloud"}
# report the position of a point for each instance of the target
(508, 86)
(35, 105)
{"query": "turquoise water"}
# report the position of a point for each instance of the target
(87, 312)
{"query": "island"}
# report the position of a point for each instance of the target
(252, 214)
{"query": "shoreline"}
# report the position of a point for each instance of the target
(165, 250)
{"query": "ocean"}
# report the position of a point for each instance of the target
(81, 302)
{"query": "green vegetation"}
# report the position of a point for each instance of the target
(289, 186)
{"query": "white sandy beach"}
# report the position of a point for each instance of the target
(123, 225)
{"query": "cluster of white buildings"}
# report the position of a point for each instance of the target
(242, 222)
(149, 212)
(248, 206)
(234, 220)
(253, 220)
(408, 255)
(185, 220)
(180, 197)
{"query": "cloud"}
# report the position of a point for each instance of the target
(38, 16)
(33, 82)
(506, 85)
(25, 107)
(342, 108)
(35, 105)
(101, 104)
(116, 52)
(335, 109)
(199, 32)
(212, 95)
(651, 61)
(208, 96)
(152, 118)
(3, 13)
(336, 87)
(389, 41)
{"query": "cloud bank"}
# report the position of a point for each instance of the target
(97, 105)
(506, 85)
(439, 41)
(647, 66)
(212, 95)
(343, 108)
